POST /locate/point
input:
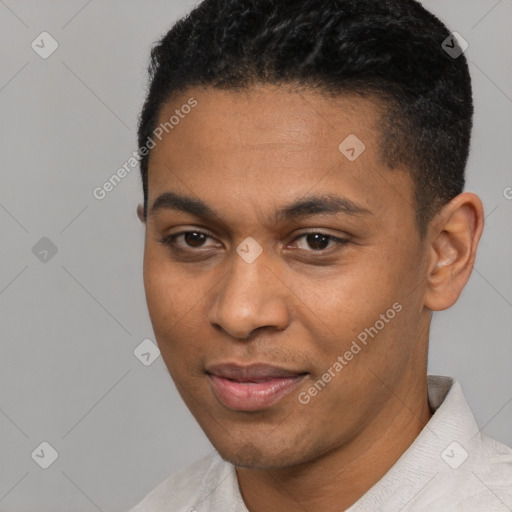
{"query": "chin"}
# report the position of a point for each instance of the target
(250, 458)
(264, 455)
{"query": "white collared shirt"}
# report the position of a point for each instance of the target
(450, 467)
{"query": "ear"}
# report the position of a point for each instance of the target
(454, 235)
(140, 213)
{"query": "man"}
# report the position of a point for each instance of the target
(303, 171)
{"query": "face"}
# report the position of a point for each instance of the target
(283, 273)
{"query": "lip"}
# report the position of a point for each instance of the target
(254, 387)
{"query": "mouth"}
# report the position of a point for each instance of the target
(254, 387)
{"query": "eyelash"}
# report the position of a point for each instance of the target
(169, 240)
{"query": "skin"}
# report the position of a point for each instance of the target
(246, 154)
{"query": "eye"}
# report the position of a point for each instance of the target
(318, 241)
(195, 239)
(192, 239)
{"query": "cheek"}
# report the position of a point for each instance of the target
(366, 302)
(351, 295)
(167, 296)
(175, 301)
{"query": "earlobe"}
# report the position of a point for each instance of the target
(140, 213)
(454, 240)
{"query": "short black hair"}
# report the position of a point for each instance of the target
(389, 50)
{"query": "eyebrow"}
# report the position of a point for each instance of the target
(311, 205)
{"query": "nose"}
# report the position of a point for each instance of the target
(250, 296)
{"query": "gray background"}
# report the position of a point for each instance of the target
(70, 324)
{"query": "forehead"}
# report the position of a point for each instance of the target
(273, 143)
(271, 115)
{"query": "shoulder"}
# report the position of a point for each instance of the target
(482, 482)
(451, 465)
(180, 491)
(494, 467)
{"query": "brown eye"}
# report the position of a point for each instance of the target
(317, 241)
(194, 239)
(191, 239)
(320, 241)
